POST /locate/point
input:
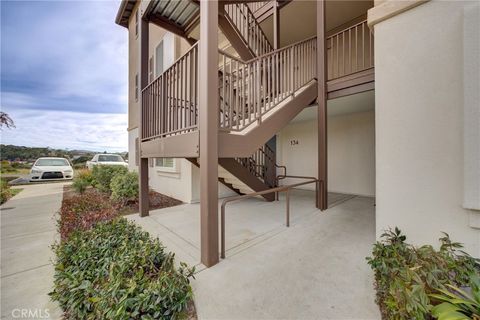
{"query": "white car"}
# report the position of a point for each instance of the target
(106, 159)
(51, 169)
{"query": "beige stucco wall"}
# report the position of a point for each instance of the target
(351, 151)
(419, 124)
(133, 51)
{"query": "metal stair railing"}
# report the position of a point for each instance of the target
(240, 16)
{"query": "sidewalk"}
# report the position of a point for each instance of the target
(27, 231)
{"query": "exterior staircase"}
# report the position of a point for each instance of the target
(249, 174)
(236, 21)
(260, 91)
(257, 98)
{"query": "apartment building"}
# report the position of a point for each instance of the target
(377, 99)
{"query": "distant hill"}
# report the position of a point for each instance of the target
(21, 153)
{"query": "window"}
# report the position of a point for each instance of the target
(150, 69)
(136, 22)
(109, 158)
(136, 87)
(165, 163)
(51, 163)
(159, 59)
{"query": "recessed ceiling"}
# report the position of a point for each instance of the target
(298, 19)
(360, 102)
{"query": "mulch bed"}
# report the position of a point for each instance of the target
(157, 201)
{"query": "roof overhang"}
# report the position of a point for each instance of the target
(124, 12)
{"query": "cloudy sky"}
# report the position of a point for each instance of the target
(64, 74)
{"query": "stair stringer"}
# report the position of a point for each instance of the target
(245, 176)
(232, 145)
(235, 39)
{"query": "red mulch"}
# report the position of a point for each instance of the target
(157, 201)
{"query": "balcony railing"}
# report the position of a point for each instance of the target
(248, 90)
(169, 103)
(350, 51)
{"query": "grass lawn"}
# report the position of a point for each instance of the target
(15, 191)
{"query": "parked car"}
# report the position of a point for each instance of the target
(106, 159)
(51, 169)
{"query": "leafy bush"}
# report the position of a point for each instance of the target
(405, 275)
(5, 191)
(83, 211)
(125, 187)
(457, 303)
(116, 271)
(103, 175)
(82, 180)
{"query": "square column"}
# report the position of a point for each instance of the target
(143, 200)
(208, 126)
(322, 106)
(276, 25)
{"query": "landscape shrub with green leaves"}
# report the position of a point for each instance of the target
(406, 275)
(82, 211)
(103, 175)
(125, 187)
(117, 271)
(5, 191)
(82, 180)
(458, 304)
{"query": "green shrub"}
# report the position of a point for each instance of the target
(82, 180)
(83, 211)
(125, 187)
(405, 275)
(5, 191)
(458, 304)
(116, 271)
(103, 175)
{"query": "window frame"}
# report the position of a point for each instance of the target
(137, 14)
(173, 168)
(157, 73)
(136, 87)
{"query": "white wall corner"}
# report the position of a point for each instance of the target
(474, 219)
(471, 107)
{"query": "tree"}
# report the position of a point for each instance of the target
(6, 121)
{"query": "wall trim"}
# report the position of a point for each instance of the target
(387, 9)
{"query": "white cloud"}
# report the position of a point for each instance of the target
(67, 129)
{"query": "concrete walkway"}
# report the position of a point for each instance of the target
(315, 269)
(27, 231)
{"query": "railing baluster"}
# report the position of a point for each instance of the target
(363, 46)
(231, 99)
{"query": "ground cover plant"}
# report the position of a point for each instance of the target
(81, 212)
(115, 270)
(108, 268)
(406, 276)
(118, 184)
(6, 192)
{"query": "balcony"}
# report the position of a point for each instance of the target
(250, 92)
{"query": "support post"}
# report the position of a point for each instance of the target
(276, 25)
(208, 122)
(322, 106)
(143, 75)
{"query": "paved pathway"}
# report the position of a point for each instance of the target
(315, 269)
(27, 231)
